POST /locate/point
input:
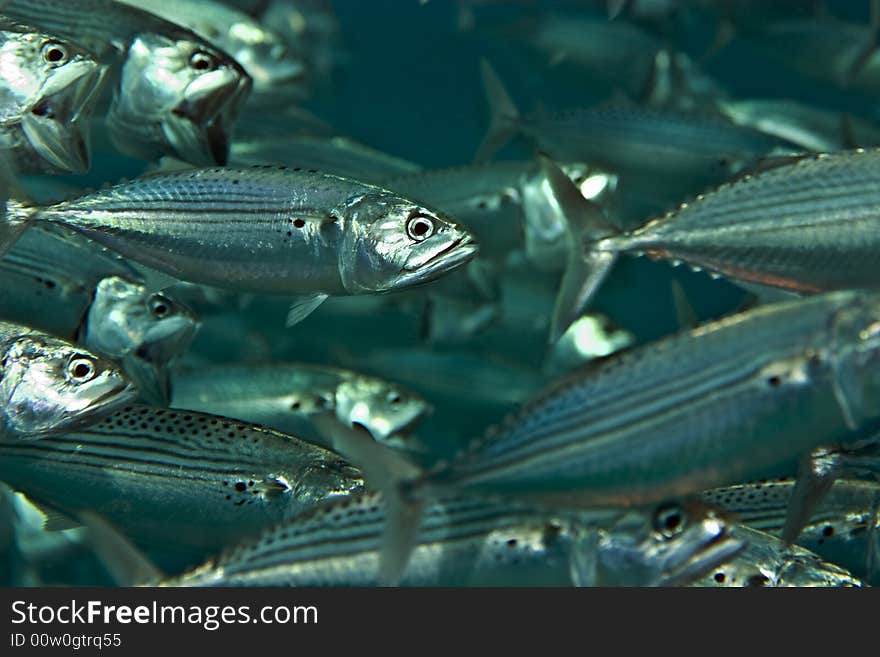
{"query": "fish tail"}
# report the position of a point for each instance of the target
(586, 265)
(17, 210)
(399, 481)
(503, 115)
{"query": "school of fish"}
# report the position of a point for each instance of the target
(472, 293)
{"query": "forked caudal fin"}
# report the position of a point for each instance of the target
(585, 270)
(388, 472)
(15, 214)
(816, 474)
(503, 115)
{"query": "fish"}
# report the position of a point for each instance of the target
(173, 92)
(48, 90)
(274, 69)
(297, 231)
(703, 408)
(507, 204)
(814, 129)
(284, 396)
(800, 227)
(49, 386)
(843, 529)
(671, 153)
(766, 561)
(466, 542)
(183, 482)
(60, 283)
(143, 331)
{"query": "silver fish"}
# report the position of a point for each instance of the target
(812, 128)
(467, 542)
(260, 51)
(143, 331)
(50, 386)
(177, 480)
(174, 93)
(48, 89)
(266, 229)
(843, 529)
(284, 396)
(64, 285)
(766, 561)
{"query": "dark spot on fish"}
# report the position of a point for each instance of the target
(299, 223)
(235, 181)
(720, 577)
(297, 168)
(251, 484)
(289, 233)
(828, 531)
(757, 580)
(511, 543)
(225, 483)
(42, 108)
(229, 497)
(295, 406)
(313, 171)
(240, 487)
(240, 502)
(482, 205)
(774, 381)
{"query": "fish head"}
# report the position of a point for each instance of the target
(263, 54)
(384, 409)
(51, 86)
(143, 330)
(179, 97)
(51, 386)
(670, 545)
(392, 243)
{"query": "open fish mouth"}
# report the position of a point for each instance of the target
(199, 128)
(452, 257)
(57, 124)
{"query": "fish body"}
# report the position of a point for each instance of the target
(49, 386)
(284, 396)
(766, 561)
(808, 226)
(173, 93)
(177, 480)
(267, 229)
(843, 529)
(708, 406)
(48, 89)
(467, 542)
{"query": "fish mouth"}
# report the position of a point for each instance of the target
(57, 124)
(721, 549)
(452, 257)
(198, 129)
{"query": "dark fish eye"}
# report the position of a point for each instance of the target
(160, 306)
(55, 53)
(670, 520)
(80, 369)
(202, 61)
(419, 226)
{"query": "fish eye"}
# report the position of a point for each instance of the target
(670, 520)
(202, 61)
(80, 369)
(160, 306)
(419, 226)
(55, 53)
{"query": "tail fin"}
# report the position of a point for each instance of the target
(393, 475)
(503, 115)
(16, 214)
(126, 564)
(584, 272)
